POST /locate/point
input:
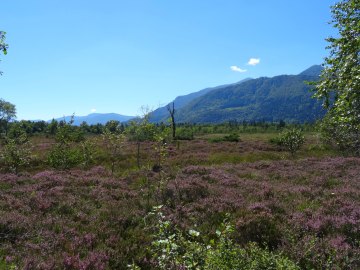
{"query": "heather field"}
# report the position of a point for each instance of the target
(303, 207)
(252, 162)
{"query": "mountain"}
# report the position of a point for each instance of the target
(314, 70)
(96, 118)
(161, 114)
(284, 97)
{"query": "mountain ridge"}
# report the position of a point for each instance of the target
(161, 113)
(282, 97)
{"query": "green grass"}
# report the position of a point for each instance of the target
(234, 158)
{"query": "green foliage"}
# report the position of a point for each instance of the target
(343, 136)
(66, 133)
(291, 140)
(184, 133)
(16, 130)
(114, 144)
(7, 113)
(7, 265)
(3, 45)
(87, 150)
(340, 80)
(172, 249)
(161, 137)
(113, 126)
(141, 131)
(51, 129)
(233, 137)
(228, 256)
(64, 155)
(16, 153)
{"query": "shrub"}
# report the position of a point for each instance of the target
(261, 229)
(233, 137)
(16, 153)
(345, 137)
(291, 140)
(184, 134)
(172, 249)
(87, 149)
(17, 129)
(227, 256)
(66, 132)
(114, 144)
(64, 157)
(6, 264)
(339, 82)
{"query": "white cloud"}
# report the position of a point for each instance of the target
(93, 110)
(237, 69)
(254, 61)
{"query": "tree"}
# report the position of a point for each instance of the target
(112, 126)
(16, 153)
(64, 154)
(3, 45)
(7, 113)
(339, 84)
(7, 110)
(171, 110)
(52, 127)
(291, 140)
(84, 127)
(141, 130)
(114, 144)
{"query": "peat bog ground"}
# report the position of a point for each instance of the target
(306, 207)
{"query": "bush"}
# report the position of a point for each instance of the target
(87, 149)
(64, 157)
(339, 82)
(172, 249)
(345, 137)
(184, 134)
(227, 256)
(291, 140)
(16, 153)
(6, 264)
(260, 229)
(233, 137)
(114, 144)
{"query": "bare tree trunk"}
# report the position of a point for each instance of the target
(172, 115)
(138, 154)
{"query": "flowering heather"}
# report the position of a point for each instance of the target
(307, 209)
(274, 203)
(73, 220)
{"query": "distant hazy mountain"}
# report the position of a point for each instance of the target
(285, 97)
(161, 114)
(96, 118)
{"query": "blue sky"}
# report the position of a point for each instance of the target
(79, 56)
